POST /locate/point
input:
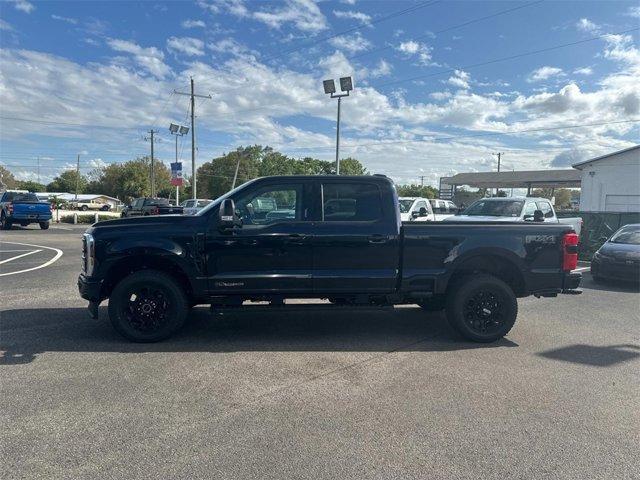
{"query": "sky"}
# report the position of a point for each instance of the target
(439, 86)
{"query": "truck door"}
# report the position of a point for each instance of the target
(272, 251)
(356, 242)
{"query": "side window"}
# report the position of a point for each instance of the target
(271, 204)
(138, 203)
(529, 209)
(351, 202)
(546, 209)
(420, 205)
(441, 208)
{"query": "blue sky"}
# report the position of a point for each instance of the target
(433, 95)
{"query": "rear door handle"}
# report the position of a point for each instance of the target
(377, 238)
(296, 238)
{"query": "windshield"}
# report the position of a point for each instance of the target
(157, 201)
(493, 208)
(217, 201)
(21, 197)
(405, 205)
(627, 235)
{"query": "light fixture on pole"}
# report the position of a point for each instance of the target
(346, 85)
(176, 168)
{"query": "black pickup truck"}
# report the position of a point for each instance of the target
(333, 237)
(150, 206)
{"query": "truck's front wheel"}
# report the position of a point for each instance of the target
(482, 308)
(148, 306)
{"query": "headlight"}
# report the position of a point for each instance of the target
(88, 254)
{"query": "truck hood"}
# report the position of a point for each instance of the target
(480, 218)
(150, 220)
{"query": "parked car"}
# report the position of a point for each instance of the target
(150, 206)
(91, 205)
(153, 269)
(514, 209)
(23, 208)
(415, 209)
(619, 257)
(442, 208)
(193, 206)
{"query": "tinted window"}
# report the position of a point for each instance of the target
(493, 208)
(20, 197)
(546, 209)
(628, 235)
(356, 202)
(156, 201)
(270, 204)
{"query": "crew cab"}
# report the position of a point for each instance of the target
(150, 206)
(415, 209)
(514, 209)
(23, 208)
(333, 237)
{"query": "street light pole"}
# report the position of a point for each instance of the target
(346, 85)
(178, 131)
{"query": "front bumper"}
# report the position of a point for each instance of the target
(89, 289)
(616, 270)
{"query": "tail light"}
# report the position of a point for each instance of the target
(569, 251)
(10, 208)
(50, 207)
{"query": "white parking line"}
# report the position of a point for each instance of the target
(30, 252)
(45, 264)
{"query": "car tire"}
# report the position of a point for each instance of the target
(148, 306)
(482, 308)
(44, 225)
(4, 223)
(434, 304)
(84, 208)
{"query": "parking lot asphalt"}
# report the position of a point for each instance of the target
(310, 392)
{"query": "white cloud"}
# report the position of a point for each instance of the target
(587, 25)
(23, 6)
(192, 24)
(353, 15)
(633, 12)
(69, 20)
(151, 59)
(190, 46)
(413, 48)
(382, 69)
(459, 79)
(230, 46)
(351, 43)
(5, 26)
(583, 71)
(544, 73)
(440, 95)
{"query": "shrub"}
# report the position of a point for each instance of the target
(85, 218)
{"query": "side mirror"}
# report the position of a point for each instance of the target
(415, 214)
(538, 216)
(227, 215)
(423, 212)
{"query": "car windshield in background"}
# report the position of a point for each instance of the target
(502, 208)
(405, 205)
(158, 201)
(627, 235)
(22, 197)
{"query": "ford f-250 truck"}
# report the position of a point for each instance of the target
(331, 237)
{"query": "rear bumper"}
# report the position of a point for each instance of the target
(571, 281)
(89, 289)
(33, 217)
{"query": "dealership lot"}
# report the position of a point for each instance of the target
(310, 392)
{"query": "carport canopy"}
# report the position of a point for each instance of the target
(521, 179)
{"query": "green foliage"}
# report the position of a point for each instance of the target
(89, 218)
(426, 191)
(216, 177)
(563, 196)
(67, 182)
(30, 186)
(7, 180)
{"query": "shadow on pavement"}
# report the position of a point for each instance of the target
(596, 356)
(609, 285)
(28, 332)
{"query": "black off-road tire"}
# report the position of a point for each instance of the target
(4, 223)
(434, 304)
(128, 297)
(482, 308)
(44, 225)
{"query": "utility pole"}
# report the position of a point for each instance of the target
(422, 180)
(152, 132)
(38, 168)
(77, 176)
(235, 175)
(338, 138)
(499, 155)
(193, 134)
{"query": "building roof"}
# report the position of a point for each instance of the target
(580, 165)
(519, 179)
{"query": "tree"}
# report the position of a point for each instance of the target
(562, 195)
(67, 182)
(132, 179)
(7, 180)
(425, 191)
(351, 166)
(30, 186)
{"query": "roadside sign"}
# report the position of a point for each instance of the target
(176, 174)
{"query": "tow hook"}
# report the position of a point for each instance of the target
(93, 309)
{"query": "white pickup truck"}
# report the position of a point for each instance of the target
(90, 205)
(514, 209)
(415, 209)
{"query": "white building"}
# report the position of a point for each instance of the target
(611, 183)
(82, 197)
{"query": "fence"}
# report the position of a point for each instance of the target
(597, 227)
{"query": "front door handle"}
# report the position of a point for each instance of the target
(377, 238)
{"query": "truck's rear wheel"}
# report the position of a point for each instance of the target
(148, 306)
(84, 208)
(482, 308)
(44, 225)
(4, 223)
